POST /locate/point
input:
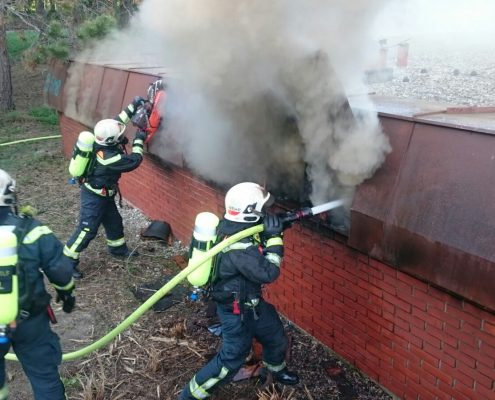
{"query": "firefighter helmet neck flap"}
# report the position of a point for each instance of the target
(108, 132)
(246, 201)
(7, 189)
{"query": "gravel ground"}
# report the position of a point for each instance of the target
(462, 76)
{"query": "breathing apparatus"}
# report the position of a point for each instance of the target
(9, 286)
(203, 239)
(82, 154)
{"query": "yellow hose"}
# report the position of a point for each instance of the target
(30, 140)
(157, 296)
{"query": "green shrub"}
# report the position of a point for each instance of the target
(19, 41)
(45, 115)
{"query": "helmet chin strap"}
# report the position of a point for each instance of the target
(260, 214)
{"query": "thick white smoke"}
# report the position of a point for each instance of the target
(257, 89)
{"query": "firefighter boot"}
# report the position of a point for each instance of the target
(126, 253)
(283, 376)
(286, 377)
(76, 273)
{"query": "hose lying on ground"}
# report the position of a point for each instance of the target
(29, 140)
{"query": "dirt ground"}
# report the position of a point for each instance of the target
(156, 356)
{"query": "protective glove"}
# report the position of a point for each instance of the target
(124, 141)
(137, 102)
(67, 298)
(272, 226)
(141, 134)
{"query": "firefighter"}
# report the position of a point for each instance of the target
(100, 186)
(239, 273)
(35, 344)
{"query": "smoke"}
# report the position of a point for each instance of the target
(258, 89)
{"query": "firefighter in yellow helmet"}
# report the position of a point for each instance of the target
(238, 276)
(100, 186)
(39, 253)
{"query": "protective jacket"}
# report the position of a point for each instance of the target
(40, 252)
(242, 268)
(111, 162)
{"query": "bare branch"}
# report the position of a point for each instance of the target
(13, 11)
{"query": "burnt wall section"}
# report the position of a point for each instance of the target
(429, 210)
(414, 339)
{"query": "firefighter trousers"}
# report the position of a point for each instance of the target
(38, 349)
(237, 337)
(95, 211)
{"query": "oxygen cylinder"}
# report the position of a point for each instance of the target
(81, 154)
(9, 290)
(204, 236)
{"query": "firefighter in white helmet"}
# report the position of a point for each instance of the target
(239, 273)
(39, 253)
(99, 187)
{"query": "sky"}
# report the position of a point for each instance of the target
(472, 20)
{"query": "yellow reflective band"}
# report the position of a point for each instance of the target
(274, 258)
(4, 393)
(116, 243)
(275, 368)
(124, 117)
(200, 391)
(275, 241)
(196, 391)
(111, 160)
(70, 285)
(237, 246)
(213, 381)
(99, 192)
(35, 234)
(71, 251)
(137, 149)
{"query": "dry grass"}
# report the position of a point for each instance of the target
(272, 393)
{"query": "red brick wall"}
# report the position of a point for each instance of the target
(417, 341)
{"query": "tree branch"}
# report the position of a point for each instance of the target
(13, 11)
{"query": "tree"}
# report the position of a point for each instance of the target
(6, 100)
(62, 26)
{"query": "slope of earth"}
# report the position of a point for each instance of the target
(160, 352)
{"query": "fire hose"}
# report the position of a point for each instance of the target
(286, 218)
(30, 140)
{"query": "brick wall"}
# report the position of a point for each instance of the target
(417, 341)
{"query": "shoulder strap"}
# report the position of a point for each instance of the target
(21, 231)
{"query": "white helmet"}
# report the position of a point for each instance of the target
(244, 202)
(7, 189)
(108, 132)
